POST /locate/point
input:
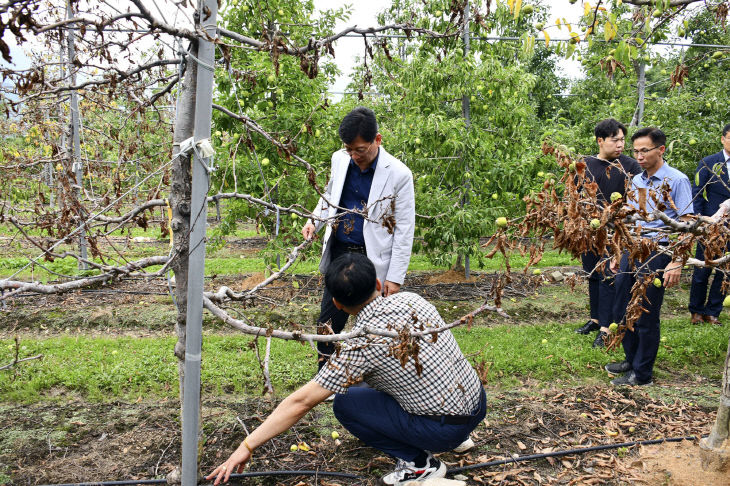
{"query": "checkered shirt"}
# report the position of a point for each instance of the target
(439, 382)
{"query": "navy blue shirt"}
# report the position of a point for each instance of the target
(355, 193)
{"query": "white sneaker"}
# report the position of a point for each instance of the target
(467, 445)
(407, 471)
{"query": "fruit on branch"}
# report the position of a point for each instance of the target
(501, 222)
(657, 282)
(571, 167)
(612, 328)
(495, 196)
(595, 224)
(528, 9)
(615, 196)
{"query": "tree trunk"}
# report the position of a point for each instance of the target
(641, 88)
(180, 194)
(715, 448)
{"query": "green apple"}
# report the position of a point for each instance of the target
(438, 13)
(571, 167)
(528, 9)
(294, 216)
(692, 141)
(726, 302)
(501, 222)
(495, 196)
(539, 25)
(537, 271)
(544, 341)
(317, 133)
(271, 78)
(657, 13)
(612, 328)
(615, 196)
(632, 429)
(657, 282)
(265, 161)
(335, 435)
(417, 141)
(281, 13)
(541, 174)
(294, 448)
(595, 224)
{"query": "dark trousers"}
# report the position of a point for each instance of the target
(379, 421)
(329, 314)
(642, 344)
(700, 302)
(601, 289)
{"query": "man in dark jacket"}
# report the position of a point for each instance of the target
(710, 188)
(610, 169)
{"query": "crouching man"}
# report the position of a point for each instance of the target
(423, 395)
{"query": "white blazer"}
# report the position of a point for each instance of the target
(391, 194)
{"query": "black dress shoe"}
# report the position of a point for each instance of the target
(618, 368)
(629, 379)
(588, 327)
(600, 342)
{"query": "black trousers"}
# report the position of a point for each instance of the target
(330, 317)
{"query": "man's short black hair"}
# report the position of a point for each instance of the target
(657, 136)
(726, 129)
(608, 128)
(359, 122)
(350, 279)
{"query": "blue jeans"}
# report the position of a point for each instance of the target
(601, 289)
(379, 421)
(642, 344)
(700, 302)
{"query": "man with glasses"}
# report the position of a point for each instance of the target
(610, 170)
(641, 344)
(710, 190)
(365, 180)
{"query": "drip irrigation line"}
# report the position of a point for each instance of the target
(568, 452)
(255, 474)
(455, 470)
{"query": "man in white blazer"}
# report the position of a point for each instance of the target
(367, 179)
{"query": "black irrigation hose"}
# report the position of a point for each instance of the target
(233, 476)
(455, 470)
(568, 453)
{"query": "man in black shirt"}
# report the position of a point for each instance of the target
(609, 169)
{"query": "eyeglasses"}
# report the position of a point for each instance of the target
(644, 151)
(357, 151)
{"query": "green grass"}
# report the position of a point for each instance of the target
(126, 367)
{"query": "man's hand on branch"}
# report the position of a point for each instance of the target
(390, 288)
(308, 231)
(615, 262)
(722, 210)
(672, 272)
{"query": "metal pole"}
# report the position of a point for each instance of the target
(207, 14)
(466, 110)
(75, 126)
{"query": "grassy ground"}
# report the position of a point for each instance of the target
(105, 352)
